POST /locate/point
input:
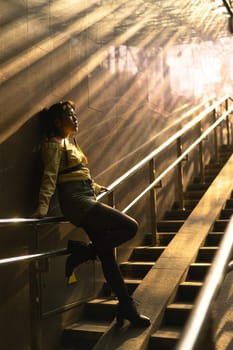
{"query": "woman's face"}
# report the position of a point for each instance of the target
(68, 123)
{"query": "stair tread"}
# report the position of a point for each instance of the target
(200, 264)
(166, 332)
(104, 301)
(209, 248)
(171, 220)
(142, 263)
(88, 326)
(160, 247)
(181, 306)
(215, 233)
(166, 233)
(222, 220)
(192, 283)
(132, 280)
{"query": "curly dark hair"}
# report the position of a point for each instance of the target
(48, 117)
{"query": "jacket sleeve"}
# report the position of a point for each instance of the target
(51, 156)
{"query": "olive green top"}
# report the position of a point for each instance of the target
(58, 155)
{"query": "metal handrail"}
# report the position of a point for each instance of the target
(197, 325)
(34, 221)
(36, 256)
(179, 159)
(162, 147)
(125, 176)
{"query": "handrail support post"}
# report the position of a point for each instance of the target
(228, 123)
(215, 137)
(153, 206)
(180, 176)
(201, 161)
(35, 297)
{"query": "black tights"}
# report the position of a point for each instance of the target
(107, 228)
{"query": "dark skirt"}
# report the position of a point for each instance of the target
(76, 199)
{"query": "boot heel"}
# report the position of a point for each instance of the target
(128, 311)
(69, 267)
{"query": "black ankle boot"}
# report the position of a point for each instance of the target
(80, 252)
(128, 311)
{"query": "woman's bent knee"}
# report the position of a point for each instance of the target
(133, 228)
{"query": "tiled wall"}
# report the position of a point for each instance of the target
(131, 66)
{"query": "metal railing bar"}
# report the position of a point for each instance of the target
(161, 148)
(46, 220)
(195, 327)
(177, 161)
(36, 256)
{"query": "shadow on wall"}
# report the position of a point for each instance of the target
(21, 170)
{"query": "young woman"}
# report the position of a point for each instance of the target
(65, 168)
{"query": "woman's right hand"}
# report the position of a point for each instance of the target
(37, 214)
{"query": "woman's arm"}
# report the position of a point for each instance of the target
(51, 156)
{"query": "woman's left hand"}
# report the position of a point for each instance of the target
(103, 189)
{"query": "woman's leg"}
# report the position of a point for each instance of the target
(113, 275)
(108, 227)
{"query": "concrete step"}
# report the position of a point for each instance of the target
(197, 186)
(158, 239)
(206, 254)
(131, 285)
(176, 314)
(164, 339)
(207, 178)
(214, 165)
(229, 203)
(218, 165)
(100, 309)
(213, 239)
(226, 148)
(197, 271)
(169, 225)
(226, 213)
(146, 253)
(220, 225)
(189, 204)
(194, 194)
(177, 214)
(188, 291)
(164, 238)
(83, 335)
(136, 269)
(212, 172)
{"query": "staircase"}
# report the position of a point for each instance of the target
(178, 310)
(99, 313)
